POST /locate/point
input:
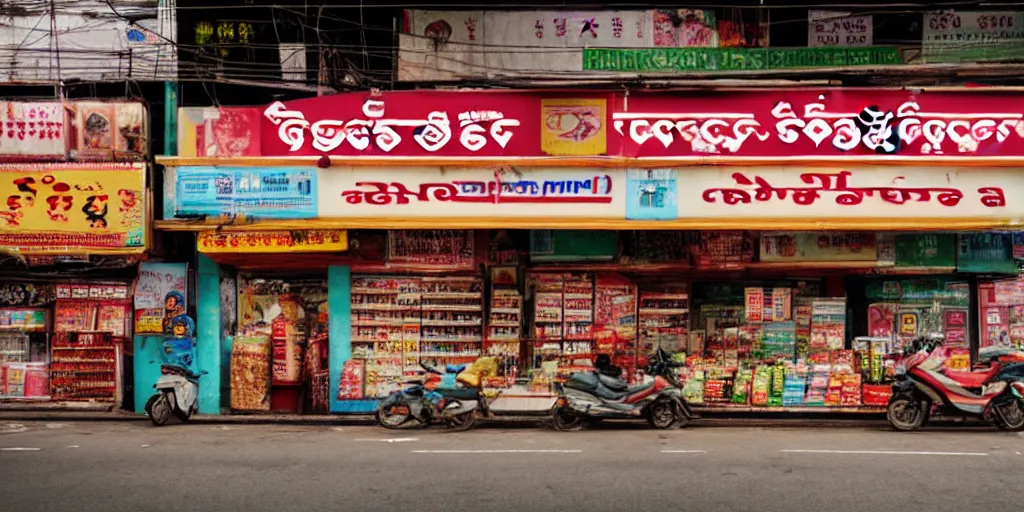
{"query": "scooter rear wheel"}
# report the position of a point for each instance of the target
(1010, 417)
(159, 409)
(462, 422)
(394, 415)
(662, 414)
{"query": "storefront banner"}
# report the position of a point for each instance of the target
(254, 192)
(32, 129)
(818, 246)
(160, 295)
(273, 241)
(855, 192)
(436, 192)
(72, 207)
(969, 36)
(436, 124)
(836, 123)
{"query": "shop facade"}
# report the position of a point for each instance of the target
(75, 226)
(785, 245)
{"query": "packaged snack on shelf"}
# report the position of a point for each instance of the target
(741, 387)
(777, 386)
(761, 385)
(876, 395)
(250, 374)
(693, 390)
(850, 395)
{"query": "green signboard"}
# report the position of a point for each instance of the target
(986, 253)
(926, 250)
(572, 245)
(668, 60)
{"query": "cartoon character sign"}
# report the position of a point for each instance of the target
(174, 307)
(179, 349)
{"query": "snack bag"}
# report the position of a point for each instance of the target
(761, 385)
(741, 389)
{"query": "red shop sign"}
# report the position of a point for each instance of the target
(832, 123)
(437, 124)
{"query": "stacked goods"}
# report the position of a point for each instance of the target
(850, 393)
(350, 385)
(777, 386)
(779, 340)
(795, 386)
(818, 385)
(741, 388)
(877, 395)
(833, 395)
(693, 390)
(760, 386)
(250, 374)
(714, 390)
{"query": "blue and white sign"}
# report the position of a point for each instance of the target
(651, 194)
(254, 192)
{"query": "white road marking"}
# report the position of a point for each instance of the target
(13, 428)
(389, 440)
(145, 446)
(20, 449)
(337, 429)
(496, 451)
(885, 452)
(73, 446)
(684, 451)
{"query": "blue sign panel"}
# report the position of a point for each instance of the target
(651, 194)
(256, 192)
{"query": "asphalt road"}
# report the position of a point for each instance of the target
(131, 466)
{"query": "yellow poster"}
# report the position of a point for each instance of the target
(273, 241)
(72, 207)
(574, 127)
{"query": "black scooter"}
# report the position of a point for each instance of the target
(592, 396)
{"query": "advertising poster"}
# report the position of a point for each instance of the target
(574, 127)
(160, 293)
(65, 207)
(818, 246)
(267, 193)
(754, 300)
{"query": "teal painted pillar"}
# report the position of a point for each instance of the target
(146, 365)
(208, 343)
(339, 307)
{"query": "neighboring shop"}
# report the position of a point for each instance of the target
(784, 273)
(74, 228)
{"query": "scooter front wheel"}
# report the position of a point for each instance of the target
(906, 414)
(159, 409)
(462, 422)
(394, 414)
(565, 420)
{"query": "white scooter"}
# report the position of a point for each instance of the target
(177, 389)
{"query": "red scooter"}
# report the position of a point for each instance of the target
(922, 388)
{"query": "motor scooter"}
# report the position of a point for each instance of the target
(177, 389)
(591, 396)
(922, 389)
(420, 402)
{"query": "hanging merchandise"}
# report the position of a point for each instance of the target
(250, 374)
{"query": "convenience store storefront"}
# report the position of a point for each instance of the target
(783, 282)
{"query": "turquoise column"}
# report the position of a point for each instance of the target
(208, 342)
(339, 304)
(146, 364)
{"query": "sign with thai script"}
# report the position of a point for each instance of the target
(269, 193)
(432, 124)
(500, 192)
(831, 28)
(674, 60)
(971, 36)
(272, 241)
(72, 207)
(818, 246)
(833, 123)
(867, 192)
(32, 129)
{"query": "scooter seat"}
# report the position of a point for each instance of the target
(971, 379)
(612, 383)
